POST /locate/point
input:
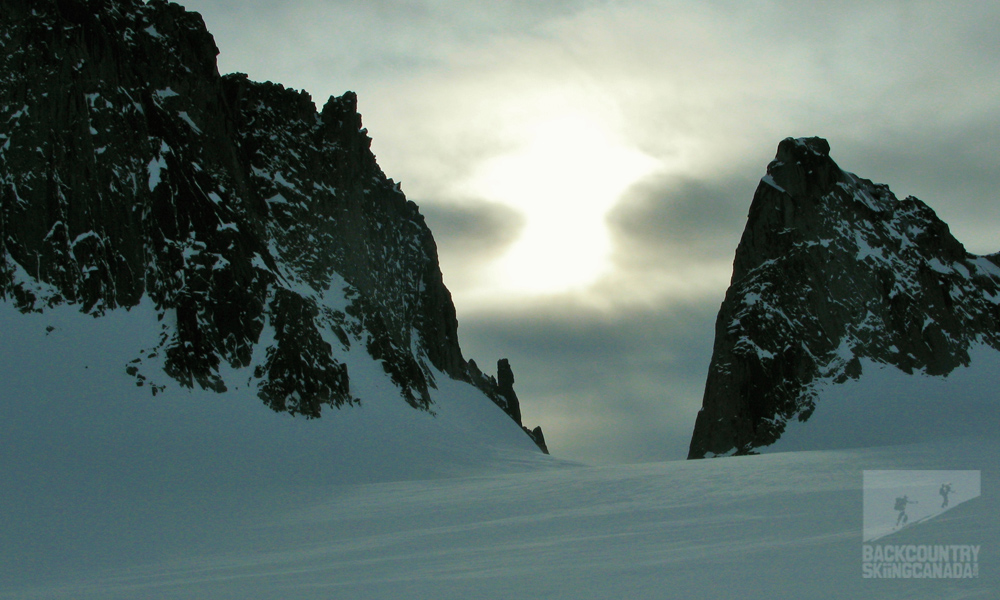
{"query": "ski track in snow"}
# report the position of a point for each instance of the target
(205, 496)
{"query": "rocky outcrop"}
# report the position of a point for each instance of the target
(500, 389)
(831, 269)
(130, 169)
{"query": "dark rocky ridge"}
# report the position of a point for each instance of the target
(832, 269)
(130, 168)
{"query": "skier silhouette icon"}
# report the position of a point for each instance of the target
(944, 491)
(900, 505)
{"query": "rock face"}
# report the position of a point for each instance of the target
(130, 169)
(832, 269)
(501, 390)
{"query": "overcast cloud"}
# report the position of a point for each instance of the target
(646, 126)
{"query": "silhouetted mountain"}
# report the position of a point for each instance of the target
(257, 225)
(832, 270)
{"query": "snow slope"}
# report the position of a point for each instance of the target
(886, 406)
(109, 494)
(758, 527)
(97, 472)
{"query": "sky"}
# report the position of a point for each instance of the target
(586, 166)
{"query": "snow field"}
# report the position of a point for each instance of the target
(111, 493)
(773, 526)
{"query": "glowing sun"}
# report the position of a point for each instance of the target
(569, 172)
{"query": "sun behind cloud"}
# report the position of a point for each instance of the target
(564, 179)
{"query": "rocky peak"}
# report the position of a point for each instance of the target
(257, 225)
(833, 268)
(804, 167)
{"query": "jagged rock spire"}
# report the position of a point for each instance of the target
(833, 268)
